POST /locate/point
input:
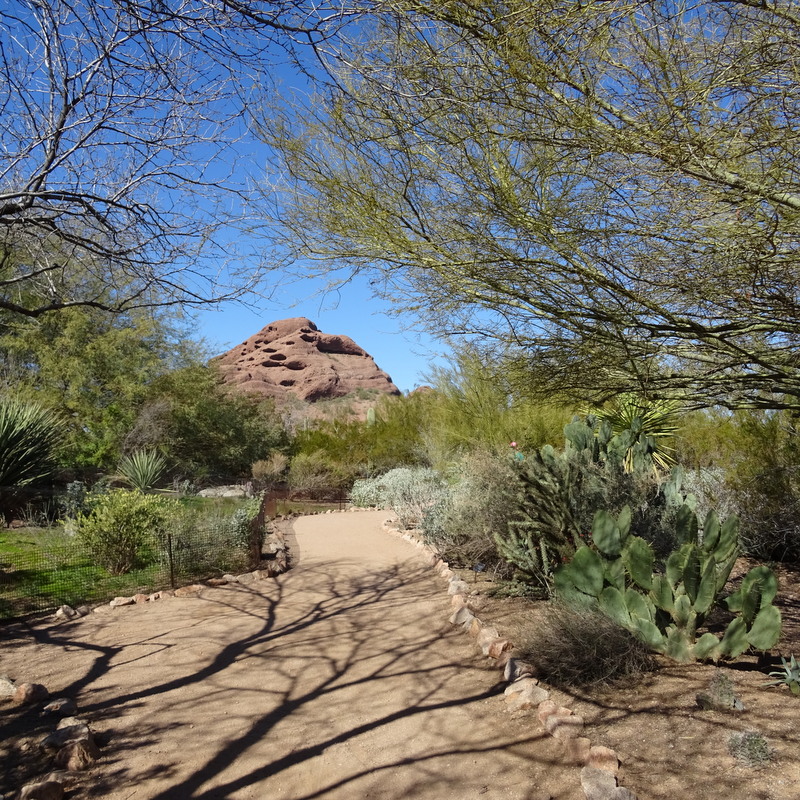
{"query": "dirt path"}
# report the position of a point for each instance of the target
(340, 679)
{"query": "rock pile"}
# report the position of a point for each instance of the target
(70, 746)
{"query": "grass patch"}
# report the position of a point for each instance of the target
(43, 568)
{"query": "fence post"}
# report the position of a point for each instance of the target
(171, 562)
(257, 529)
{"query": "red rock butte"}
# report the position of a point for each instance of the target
(292, 357)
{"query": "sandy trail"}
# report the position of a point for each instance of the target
(340, 679)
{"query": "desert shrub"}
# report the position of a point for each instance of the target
(711, 491)
(747, 462)
(765, 478)
(315, 475)
(220, 542)
(750, 748)
(29, 435)
(581, 648)
(268, 471)
(122, 528)
(477, 504)
(479, 403)
(367, 492)
(410, 491)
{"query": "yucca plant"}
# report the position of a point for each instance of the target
(29, 436)
(142, 469)
(657, 422)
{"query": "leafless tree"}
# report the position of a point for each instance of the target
(123, 146)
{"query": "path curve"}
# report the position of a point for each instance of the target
(339, 679)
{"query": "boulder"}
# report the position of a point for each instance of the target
(29, 693)
(292, 358)
(44, 790)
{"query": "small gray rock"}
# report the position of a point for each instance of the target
(46, 790)
(61, 706)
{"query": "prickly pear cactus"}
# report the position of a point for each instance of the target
(665, 610)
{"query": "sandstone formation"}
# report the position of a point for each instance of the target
(292, 357)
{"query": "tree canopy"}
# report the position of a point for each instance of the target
(610, 187)
(119, 146)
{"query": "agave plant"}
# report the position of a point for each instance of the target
(788, 676)
(29, 436)
(142, 469)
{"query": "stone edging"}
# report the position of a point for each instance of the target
(599, 764)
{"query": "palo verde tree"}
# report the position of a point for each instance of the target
(94, 368)
(612, 187)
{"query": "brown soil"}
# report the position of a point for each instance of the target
(342, 679)
(668, 745)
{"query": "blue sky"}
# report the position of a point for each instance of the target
(406, 354)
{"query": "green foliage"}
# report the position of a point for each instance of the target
(666, 609)
(220, 541)
(788, 676)
(122, 528)
(477, 503)
(142, 469)
(588, 244)
(560, 491)
(94, 367)
(356, 449)
(580, 648)
(315, 476)
(762, 472)
(205, 431)
(29, 437)
(750, 748)
(747, 462)
(478, 403)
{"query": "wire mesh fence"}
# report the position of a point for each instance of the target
(41, 570)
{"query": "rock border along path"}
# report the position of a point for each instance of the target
(338, 679)
(599, 764)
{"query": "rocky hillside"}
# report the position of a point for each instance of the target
(293, 358)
